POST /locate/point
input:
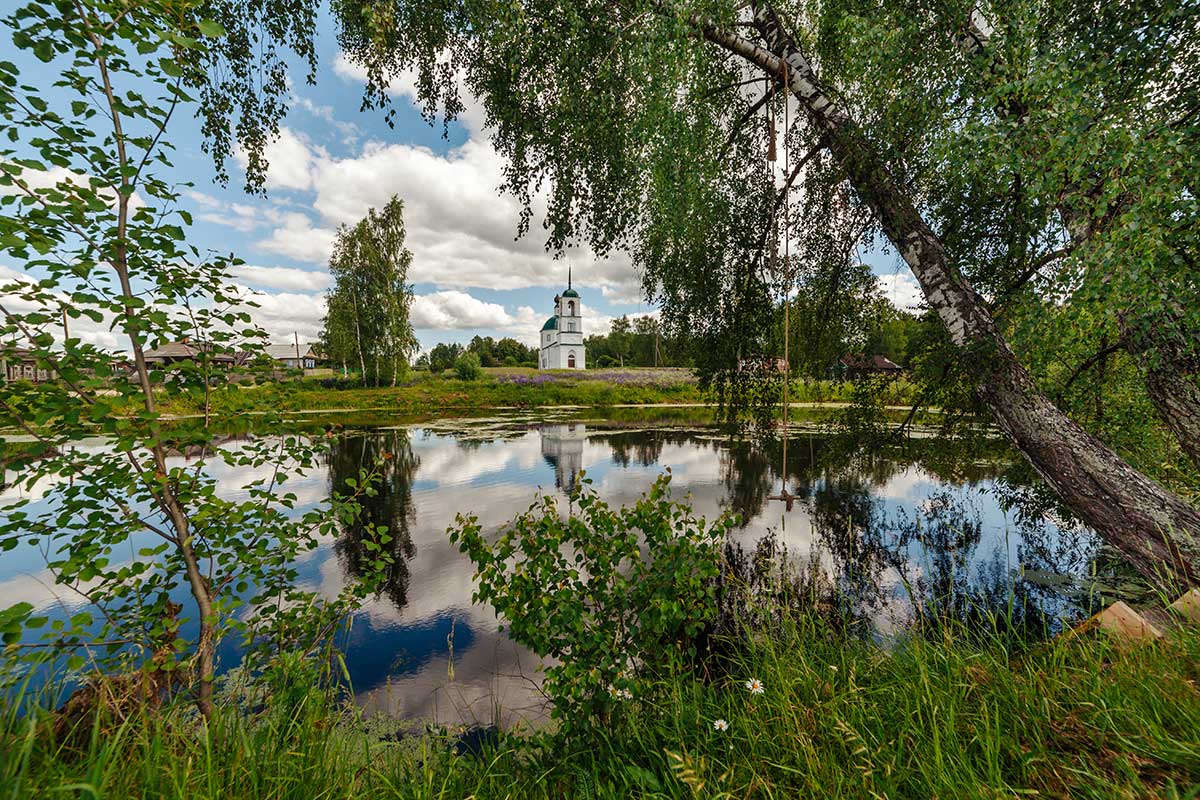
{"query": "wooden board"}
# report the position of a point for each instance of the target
(1124, 623)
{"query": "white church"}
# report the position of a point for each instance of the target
(562, 335)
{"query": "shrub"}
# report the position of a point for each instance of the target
(467, 367)
(607, 593)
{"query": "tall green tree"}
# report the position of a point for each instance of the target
(442, 356)
(620, 337)
(1057, 140)
(366, 319)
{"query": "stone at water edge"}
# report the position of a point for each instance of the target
(1188, 606)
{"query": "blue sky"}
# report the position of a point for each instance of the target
(332, 162)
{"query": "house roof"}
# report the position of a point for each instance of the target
(282, 351)
(185, 350)
(20, 354)
(551, 324)
(878, 363)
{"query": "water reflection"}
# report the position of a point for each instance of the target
(562, 447)
(914, 533)
(389, 456)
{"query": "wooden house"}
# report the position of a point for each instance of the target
(20, 365)
(859, 366)
(185, 350)
(293, 356)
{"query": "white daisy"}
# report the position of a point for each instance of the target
(720, 725)
(755, 686)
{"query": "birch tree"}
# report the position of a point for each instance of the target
(367, 307)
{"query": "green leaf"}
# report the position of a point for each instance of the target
(211, 28)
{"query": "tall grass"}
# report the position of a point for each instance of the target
(951, 717)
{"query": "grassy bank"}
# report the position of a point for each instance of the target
(944, 718)
(497, 388)
(424, 393)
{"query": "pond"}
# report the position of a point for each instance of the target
(910, 527)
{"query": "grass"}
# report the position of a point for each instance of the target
(947, 718)
(424, 393)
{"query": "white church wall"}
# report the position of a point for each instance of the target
(562, 345)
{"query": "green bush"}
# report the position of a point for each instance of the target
(609, 594)
(467, 367)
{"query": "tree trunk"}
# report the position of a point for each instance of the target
(1177, 401)
(1172, 369)
(164, 494)
(362, 362)
(1157, 531)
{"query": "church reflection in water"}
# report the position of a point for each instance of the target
(562, 447)
(913, 534)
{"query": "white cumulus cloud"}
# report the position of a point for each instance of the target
(290, 157)
(290, 278)
(902, 289)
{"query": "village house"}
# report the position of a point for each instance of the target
(185, 350)
(762, 364)
(293, 356)
(20, 365)
(858, 366)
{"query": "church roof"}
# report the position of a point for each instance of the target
(551, 324)
(570, 293)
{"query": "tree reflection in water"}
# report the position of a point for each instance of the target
(390, 454)
(931, 557)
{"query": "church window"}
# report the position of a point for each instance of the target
(570, 308)
(571, 361)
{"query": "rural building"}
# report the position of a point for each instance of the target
(20, 365)
(858, 366)
(762, 364)
(562, 335)
(292, 356)
(184, 350)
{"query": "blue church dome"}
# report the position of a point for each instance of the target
(551, 324)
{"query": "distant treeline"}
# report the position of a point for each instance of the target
(819, 338)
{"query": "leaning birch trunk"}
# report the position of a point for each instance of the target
(1156, 531)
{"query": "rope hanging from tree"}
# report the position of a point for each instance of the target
(784, 495)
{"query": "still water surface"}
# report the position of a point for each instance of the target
(913, 528)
